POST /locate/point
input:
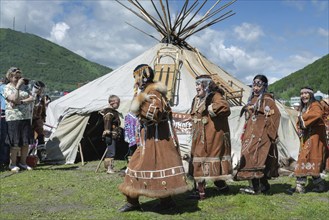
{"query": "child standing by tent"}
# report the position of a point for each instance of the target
(112, 130)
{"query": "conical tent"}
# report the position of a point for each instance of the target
(176, 64)
(70, 113)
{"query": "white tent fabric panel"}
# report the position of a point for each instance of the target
(64, 142)
(94, 97)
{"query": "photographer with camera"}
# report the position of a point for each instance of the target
(18, 116)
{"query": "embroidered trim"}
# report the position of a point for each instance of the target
(151, 111)
(211, 111)
(211, 159)
(157, 174)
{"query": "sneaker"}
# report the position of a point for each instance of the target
(25, 166)
(14, 168)
(249, 190)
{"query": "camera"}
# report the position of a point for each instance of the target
(26, 81)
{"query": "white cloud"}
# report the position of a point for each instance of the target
(299, 5)
(31, 16)
(97, 31)
(323, 32)
(301, 61)
(248, 32)
(321, 5)
(59, 31)
(236, 60)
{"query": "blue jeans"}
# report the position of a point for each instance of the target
(111, 145)
(4, 148)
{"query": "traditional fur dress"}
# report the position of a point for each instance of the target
(155, 169)
(312, 139)
(211, 144)
(325, 117)
(112, 123)
(39, 117)
(259, 154)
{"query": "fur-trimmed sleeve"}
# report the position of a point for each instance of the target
(108, 120)
(219, 106)
(151, 104)
(153, 108)
(273, 118)
(312, 114)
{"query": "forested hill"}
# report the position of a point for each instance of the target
(315, 75)
(40, 59)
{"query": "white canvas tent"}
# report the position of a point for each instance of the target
(69, 114)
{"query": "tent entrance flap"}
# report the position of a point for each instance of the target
(64, 142)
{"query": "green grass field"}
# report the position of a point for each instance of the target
(77, 192)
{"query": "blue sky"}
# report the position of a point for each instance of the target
(272, 37)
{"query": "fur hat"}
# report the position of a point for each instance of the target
(144, 71)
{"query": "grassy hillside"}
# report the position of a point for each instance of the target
(315, 75)
(43, 60)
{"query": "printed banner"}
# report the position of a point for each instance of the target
(182, 123)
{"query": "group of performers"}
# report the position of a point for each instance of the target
(155, 169)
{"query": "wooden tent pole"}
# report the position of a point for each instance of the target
(81, 155)
(100, 162)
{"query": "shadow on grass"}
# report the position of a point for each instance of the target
(283, 188)
(278, 188)
(66, 168)
(183, 205)
(186, 205)
(56, 166)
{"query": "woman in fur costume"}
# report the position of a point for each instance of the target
(311, 129)
(155, 169)
(259, 154)
(211, 144)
